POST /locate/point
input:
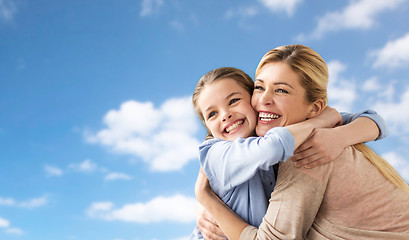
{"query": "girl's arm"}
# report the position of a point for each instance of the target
(233, 162)
(326, 144)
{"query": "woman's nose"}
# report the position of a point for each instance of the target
(267, 98)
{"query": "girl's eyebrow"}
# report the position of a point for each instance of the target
(231, 94)
(276, 83)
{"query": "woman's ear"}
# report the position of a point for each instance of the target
(316, 108)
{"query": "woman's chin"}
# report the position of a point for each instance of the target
(262, 128)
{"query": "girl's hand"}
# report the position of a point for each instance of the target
(322, 147)
(207, 225)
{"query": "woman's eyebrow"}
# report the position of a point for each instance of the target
(276, 83)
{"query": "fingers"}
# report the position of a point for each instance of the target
(308, 161)
(303, 154)
(209, 230)
(303, 147)
(315, 163)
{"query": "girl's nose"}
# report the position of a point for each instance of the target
(226, 116)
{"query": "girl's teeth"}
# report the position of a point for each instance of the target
(234, 126)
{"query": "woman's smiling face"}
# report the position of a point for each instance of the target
(226, 109)
(278, 97)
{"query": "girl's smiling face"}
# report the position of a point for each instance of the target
(226, 109)
(279, 98)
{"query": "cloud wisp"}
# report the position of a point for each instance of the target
(150, 6)
(395, 113)
(399, 163)
(4, 223)
(342, 92)
(163, 137)
(8, 9)
(31, 203)
(287, 6)
(357, 15)
(53, 171)
(177, 208)
(394, 54)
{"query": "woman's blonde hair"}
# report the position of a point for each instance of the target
(314, 78)
(218, 74)
(307, 63)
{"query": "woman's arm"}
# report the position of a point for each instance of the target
(207, 225)
(231, 224)
(326, 144)
(293, 205)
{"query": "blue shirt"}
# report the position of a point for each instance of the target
(241, 172)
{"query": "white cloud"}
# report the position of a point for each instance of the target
(87, 166)
(341, 92)
(371, 85)
(4, 223)
(163, 137)
(117, 176)
(394, 54)
(53, 171)
(399, 163)
(357, 15)
(150, 6)
(15, 231)
(287, 6)
(35, 202)
(31, 203)
(396, 114)
(6, 201)
(8, 9)
(177, 208)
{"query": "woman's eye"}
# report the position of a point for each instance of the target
(281, 91)
(258, 88)
(234, 100)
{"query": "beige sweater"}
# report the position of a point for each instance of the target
(345, 199)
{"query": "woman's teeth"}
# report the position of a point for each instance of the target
(234, 126)
(267, 117)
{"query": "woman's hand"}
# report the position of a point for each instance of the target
(202, 186)
(205, 222)
(207, 225)
(329, 117)
(322, 147)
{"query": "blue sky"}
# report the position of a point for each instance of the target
(98, 138)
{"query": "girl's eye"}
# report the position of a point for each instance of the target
(211, 114)
(281, 91)
(233, 100)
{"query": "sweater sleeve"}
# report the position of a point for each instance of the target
(349, 117)
(294, 203)
(234, 162)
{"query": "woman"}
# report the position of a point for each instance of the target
(357, 196)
